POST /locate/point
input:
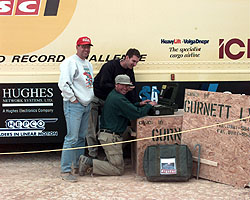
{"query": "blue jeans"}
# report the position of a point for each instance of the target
(77, 117)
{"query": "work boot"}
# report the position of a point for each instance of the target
(84, 167)
(67, 176)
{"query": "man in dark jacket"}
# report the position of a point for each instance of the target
(104, 83)
(117, 112)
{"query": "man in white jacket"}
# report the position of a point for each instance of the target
(76, 84)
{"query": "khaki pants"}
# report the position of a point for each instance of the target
(115, 164)
(96, 105)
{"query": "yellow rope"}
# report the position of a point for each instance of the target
(127, 141)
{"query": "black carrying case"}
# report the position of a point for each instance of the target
(171, 162)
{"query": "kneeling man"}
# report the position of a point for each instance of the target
(117, 112)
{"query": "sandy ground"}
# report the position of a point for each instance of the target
(37, 176)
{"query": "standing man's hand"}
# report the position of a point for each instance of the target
(76, 101)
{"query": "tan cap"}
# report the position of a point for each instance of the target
(123, 79)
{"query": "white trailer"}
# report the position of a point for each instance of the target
(194, 43)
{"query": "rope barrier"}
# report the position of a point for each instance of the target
(127, 141)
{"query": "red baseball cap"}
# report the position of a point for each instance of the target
(84, 41)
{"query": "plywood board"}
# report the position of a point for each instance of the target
(225, 144)
(153, 126)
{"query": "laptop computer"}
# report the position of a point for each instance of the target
(166, 101)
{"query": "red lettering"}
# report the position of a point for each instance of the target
(6, 7)
(248, 48)
(226, 48)
(23, 7)
(221, 49)
(28, 7)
